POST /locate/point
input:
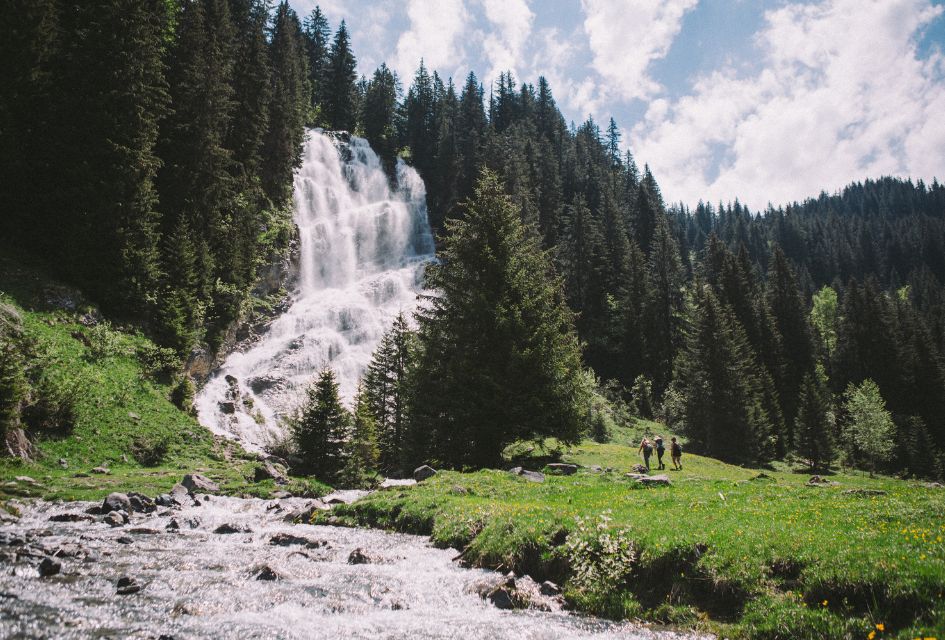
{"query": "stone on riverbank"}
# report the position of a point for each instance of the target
(194, 482)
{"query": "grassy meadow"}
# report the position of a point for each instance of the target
(742, 552)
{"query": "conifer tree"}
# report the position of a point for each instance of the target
(499, 357)
(379, 117)
(664, 305)
(321, 428)
(722, 395)
(362, 452)
(471, 123)
(288, 107)
(813, 428)
(317, 35)
(340, 109)
(387, 391)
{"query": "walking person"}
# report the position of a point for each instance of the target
(660, 450)
(675, 450)
(647, 449)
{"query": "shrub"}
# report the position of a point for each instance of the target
(150, 451)
(161, 363)
(103, 342)
(182, 395)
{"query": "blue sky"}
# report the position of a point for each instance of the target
(761, 100)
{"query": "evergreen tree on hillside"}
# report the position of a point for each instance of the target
(499, 359)
(813, 428)
(289, 105)
(110, 70)
(362, 452)
(251, 87)
(470, 133)
(664, 305)
(420, 126)
(321, 428)
(788, 310)
(723, 396)
(317, 37)
(379, 117)
(387, 391)
(340, 99)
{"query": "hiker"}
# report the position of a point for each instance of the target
(675, 450)
(660, 450)
(647, 450)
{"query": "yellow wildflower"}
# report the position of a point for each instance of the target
(880, 627)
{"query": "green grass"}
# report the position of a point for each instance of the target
(722, 548)
(119, 408)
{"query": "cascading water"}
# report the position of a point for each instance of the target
(363, 248)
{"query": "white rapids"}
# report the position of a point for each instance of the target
(363, 249)
(198, 584)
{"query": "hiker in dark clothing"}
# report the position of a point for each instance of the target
(660, 450)
(647, 450)
(675, 450)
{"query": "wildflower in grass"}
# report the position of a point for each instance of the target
(880, 627)
(871, 635)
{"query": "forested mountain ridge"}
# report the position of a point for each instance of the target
(147, 150)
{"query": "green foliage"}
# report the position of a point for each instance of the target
(321, 429)
(103, 342)
(868, 428)
(13, 386)
(499, 360)
(602, 556)
(340, 93)
(182, 394)
(642, 397)
(362, 453)
(160, 363)
(150, 451)
(814, 427)
(824, 318)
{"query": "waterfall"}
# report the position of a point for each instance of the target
(363, 249)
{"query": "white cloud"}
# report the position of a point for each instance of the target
(503, 44)
(432, 36)
(842, 96)
(625, 37)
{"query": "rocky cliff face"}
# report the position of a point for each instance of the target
(279, 275)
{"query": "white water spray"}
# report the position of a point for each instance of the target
(363, 248)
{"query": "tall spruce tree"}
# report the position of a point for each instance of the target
(340, 92)
(317, 37)
(379, 117)
(321, 429)
(499, 358)
(814, 425)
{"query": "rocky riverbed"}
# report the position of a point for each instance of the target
(202, 566)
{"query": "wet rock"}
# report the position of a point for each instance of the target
(180, 495)
(127, 586)
(194, 482)
(424, 472)
(116, 502)
(864, 492)
(102, 471)
(114, 519)
(227, 528)
(359, 557)
(287, 540)
(164, 500)
(269, 471)
(125, 540)
(141, 503)
(49, 567)
(305, 515)
(267, 573)
(143, 531)
(10, 539)
(549, 588)
(173, 525)
(227, 407)
(71, 517)
(501, 598)
(562, 469)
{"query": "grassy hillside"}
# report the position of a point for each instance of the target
(750, 553)
(120, 405)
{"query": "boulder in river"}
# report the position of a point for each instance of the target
(267, 573)
(422, 473)
(116, 502)
(194, 482)
(49, 567)
(141, 503)
(359, 557)
(115, 519)
(288, 540)
(127, 586)
(232, 528)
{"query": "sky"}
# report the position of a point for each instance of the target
(766, 101)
